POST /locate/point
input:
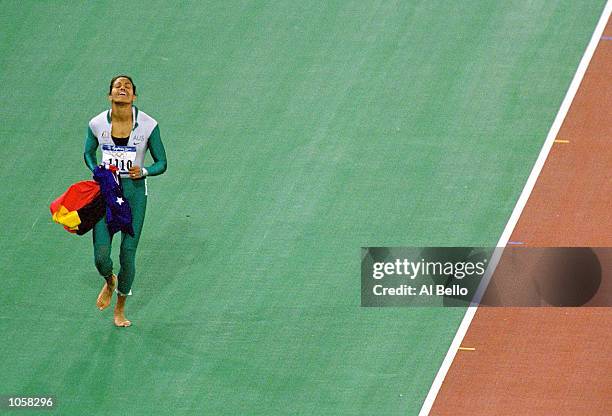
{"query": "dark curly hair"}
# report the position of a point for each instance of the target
(110, 89)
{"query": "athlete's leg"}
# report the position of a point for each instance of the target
(135, 192)
(102, 248)
(104, 264)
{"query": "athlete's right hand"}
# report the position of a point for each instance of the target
(135, 172)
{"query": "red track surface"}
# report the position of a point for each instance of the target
(551, 361)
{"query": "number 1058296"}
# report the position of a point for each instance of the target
(19, 401)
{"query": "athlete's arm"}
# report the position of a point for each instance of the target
(91, 144)
(158, 153)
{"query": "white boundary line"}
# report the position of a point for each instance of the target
(518, 209)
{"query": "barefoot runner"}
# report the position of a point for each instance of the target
(124, 134)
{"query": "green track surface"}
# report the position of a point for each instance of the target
(296, 133)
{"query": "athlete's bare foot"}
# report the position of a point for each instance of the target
(106, 294)
(120, 319)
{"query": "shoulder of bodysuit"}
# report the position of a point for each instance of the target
(99, 121)
(146, 122)
(145, 119)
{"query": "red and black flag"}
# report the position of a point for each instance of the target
(79, 208)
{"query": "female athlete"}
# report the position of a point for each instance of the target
(124, 135)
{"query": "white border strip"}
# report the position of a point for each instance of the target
(518, 209)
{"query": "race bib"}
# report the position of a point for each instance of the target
(121, 156)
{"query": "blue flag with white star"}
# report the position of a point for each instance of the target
(118, 212)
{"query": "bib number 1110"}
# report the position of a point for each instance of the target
(121, 163)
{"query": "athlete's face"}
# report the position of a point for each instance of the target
(122, 91)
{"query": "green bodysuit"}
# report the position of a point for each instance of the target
(144, 136)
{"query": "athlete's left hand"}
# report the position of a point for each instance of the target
(135, 172)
